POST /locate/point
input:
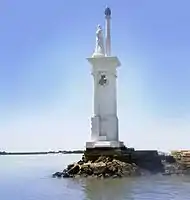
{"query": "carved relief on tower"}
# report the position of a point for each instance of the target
(103, 79)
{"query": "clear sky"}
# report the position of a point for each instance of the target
(46, 86)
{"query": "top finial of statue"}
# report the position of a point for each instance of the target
(107, 12)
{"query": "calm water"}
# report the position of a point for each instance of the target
(29, 178)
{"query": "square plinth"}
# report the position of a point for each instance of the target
(104, 144)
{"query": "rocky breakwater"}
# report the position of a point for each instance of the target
(178, 163)
(102, 167)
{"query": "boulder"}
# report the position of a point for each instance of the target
(80, 162)
(111, 168)
(66, 175)
(70, 166)
(74, 170)
(106, 175)
(57, 174)
(98, 168)
(104, 159)
(115, 176)
(86, 169)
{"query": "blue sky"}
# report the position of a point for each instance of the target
(45, 83)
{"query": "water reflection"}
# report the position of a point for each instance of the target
(108, 189)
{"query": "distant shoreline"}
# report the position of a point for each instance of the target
(41, 153)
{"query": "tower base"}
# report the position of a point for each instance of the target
(104, 144)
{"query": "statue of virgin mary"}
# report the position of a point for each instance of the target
(99, 50)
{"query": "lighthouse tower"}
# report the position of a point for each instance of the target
(104, 122)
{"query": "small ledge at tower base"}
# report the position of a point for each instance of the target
(104, 144)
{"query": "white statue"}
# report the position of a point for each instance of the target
(99, 50)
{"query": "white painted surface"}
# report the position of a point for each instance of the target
(104, 130)
(108, 36)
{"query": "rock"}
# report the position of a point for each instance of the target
(74, 170)
(111, 168)
(120, 173)
(64, 171)
(103, 159)
(63, 174)
(66, 175)
(80, 162)
(119, 176)
(100, 175)
(85, 169)
(166, 173)
(106, 175)
(57, 174)
(70, 166)
(98, 168)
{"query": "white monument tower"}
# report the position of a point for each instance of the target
(104, 123)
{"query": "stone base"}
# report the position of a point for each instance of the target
(114, 162)
(122, 153)
(104, 144)
(102, 167)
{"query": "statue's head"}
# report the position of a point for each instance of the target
(99, 26)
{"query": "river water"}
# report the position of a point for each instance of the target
(29, 178)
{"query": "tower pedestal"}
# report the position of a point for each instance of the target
(104, 123)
